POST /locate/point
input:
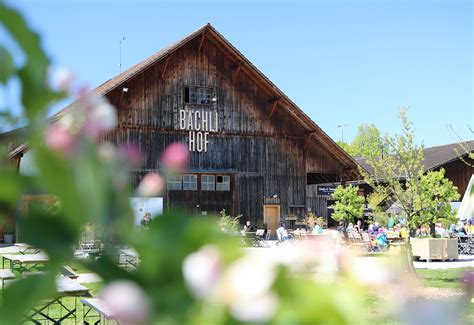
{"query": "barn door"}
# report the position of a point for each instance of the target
(271, 216)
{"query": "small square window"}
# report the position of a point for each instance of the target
(205, 96)
(174, 182)
(208, 183)
(189, 182)
(198, 95)
(222, 183)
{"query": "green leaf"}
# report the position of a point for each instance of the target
(7, 67)
(22, 295)
(53, 233)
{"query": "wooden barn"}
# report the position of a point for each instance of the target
(253, 151)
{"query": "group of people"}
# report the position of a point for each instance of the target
(456, 229)
(281, 232)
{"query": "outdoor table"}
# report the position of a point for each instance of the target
(6, 275)
(65, 287)
(25, 261)
(94, 308)
(129, 256)
(25, 248)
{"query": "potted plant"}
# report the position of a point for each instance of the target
(9, 234)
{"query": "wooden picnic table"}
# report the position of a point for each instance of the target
(24, 260)
(25, 248)
(95, 311)
(6, 275)
(65, 287)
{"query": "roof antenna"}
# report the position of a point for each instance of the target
(120, 53)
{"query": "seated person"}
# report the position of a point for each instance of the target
(317, 230)
(404, 232)
(358, 226)
(350, 227)
(248, 227)
(370, 230)
(265, 230)
(381, 238)
(282, 234)
(341, 228)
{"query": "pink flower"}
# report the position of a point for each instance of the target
(101, 116)
(152, 184)
(201, 271)
(176, 156)
(131, 153)
(127, 302)
(59, 139)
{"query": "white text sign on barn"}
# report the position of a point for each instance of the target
(199, 123)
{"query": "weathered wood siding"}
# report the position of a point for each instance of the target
(459, 173)
(265, 155)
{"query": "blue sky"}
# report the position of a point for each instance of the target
(349, 61)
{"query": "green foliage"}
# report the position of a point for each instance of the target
(378, 215)
(349, 205)
(229, 224)
(368, 142)
(436, 192)
(424, 198)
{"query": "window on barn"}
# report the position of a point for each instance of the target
(198, 95)
(208, 182)
(174, 182)
(222, 183)
(189, 182)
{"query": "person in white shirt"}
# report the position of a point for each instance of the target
(282, 234)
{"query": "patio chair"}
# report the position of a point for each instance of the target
(258, 238)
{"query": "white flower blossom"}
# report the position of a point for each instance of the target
(201, 271)
(127, 302)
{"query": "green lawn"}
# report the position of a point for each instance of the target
(450, 278)
(445, 279)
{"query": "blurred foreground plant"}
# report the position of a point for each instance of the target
(190, 271)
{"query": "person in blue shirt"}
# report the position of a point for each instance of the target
(381, 239)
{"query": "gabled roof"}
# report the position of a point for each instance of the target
(434, 157)
(440, 155)
(208, 31)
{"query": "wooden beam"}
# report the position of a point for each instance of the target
(166, 66)
(273, 108)
(306, 141)
(236, 73)
(202, 41)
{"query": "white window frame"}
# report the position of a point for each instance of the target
(206, 184)
(173, 180)
(186, 182)
(220, 185)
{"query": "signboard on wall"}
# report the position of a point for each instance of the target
(199, 123)
(326, 189)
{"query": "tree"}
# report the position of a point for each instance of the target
(367, 142)
(436, 192)
(401, 177)
(349, 204)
